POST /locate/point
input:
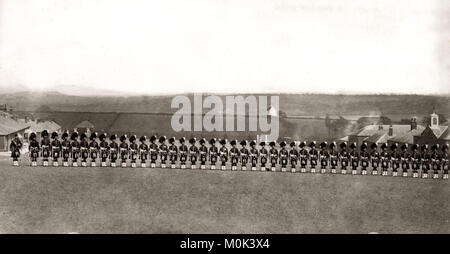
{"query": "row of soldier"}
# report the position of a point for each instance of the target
(417, 158)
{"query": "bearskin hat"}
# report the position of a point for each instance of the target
(363, 146)
(162, 139)
(143, 139)
(243, 142)
(212, 141)
(182, 140)
(132, 138)
(44, 133)
(192, 140)
(414, 147)
(435, 147)
(223, 141)
(54, 134)
(394, 146)
(292, 144)
(373, 146)
(172, 140)
(103, 136)
(233, 142)
(312, 144)
(343, 145)
(424, 147)
(272, 144)
(253, 143)
(65, 135)
(153, 138)
(262, 143)
(352, 145)
(302, 144)
(74, 135)
(123, 138)
(283, 144)
(404, 147)
(113, 137)
(93, 135)
(33, 136)
(445, 147)
(384, 146)
(202, 141)
(323, 145)
(333, 145)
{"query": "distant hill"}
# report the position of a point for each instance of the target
(291, 104)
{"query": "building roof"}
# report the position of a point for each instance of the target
(378, 137)
(408, 138)
(439, 131)
(85, 124)
(446, 135)
(9, 125)
(369, 130)
(39, 126)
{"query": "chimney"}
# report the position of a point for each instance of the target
(380, 127)
(413, 124)
(391, 131)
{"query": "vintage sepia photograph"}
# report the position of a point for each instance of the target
(224, 117)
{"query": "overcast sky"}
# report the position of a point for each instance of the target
(172, 46)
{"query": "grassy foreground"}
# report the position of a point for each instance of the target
(117, 200)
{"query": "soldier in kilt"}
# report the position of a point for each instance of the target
(183, 152)
(364, 157)
(244, 155)
(113, 150)
(55, 147)
(354, 158)
(104, 149)
(143, 151)
(66, 147)
(323, 157)
(163, 151)
(34, 149)
(384, 155)
(153, 149)
(124, 150)
(395, 159)
(254, 154)
(84, 146)
(284, 156)
(415, 160)
(293, 156)
(273, 155)
(213, 153)
(435, 160)
(203, 151)
(343, 158)
(75, 148)
(45, 147)
(334, 157)
(304, 156)
(313, 156)
(15, 147)
(133, 150)
(93, 148)
(445, 161)
(193, 153)
(374, 158)
(426, 160)
(234, 154)
(223, 152)
(264, 154)
(173, 152)
(405, 158)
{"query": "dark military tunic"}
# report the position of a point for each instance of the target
(323, 155)
(15, 147)
(183, 153)
(244, 156)
(223, 151)
(384, 160)
(364, 157)
(284, 157)
(193, 153)
(213, 153)
(313, 157)
(375, 158)
(133, 152)
(153, 152)
(415, 161)
(203, 150)
(426, 160)
(303, 157)
(34, 150)
(354, 159)
(173, 153)
(273, 154)
(405, 158)
(113, 151)
(234, 155)
(75, 148)
(293, 156)
(263, 153)
(123, 148)
(395, 160)
(334, 158)
(163, 152)
(254, 154)
(45, 146)
(344, 157)
(84, 146)
(93, 147)
(66, 147)
(143, 152)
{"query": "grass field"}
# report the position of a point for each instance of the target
(135, 200)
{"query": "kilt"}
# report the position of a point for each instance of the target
(263, 160)
(213, 159)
